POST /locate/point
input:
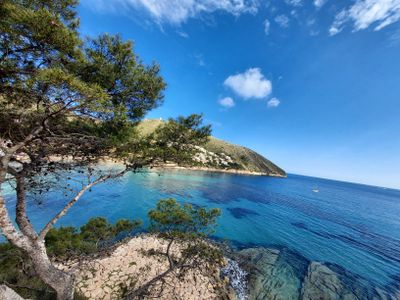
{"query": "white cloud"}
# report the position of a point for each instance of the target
(200, 59)
(183, 34)
(174, 11)
(274, 102)
(364, 13)
(227, 102)
(250, 84)
(394, 38)
(267, 26)
(334, 30)
(294, 2)
(319, 3)
(314, 32)
(282, 21)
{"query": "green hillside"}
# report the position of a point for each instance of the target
(223, 155)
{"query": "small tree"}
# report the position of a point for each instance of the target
(189, 227)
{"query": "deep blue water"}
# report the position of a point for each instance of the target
(351, 225)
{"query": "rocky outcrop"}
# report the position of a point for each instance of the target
(129, 266)
(206, 157)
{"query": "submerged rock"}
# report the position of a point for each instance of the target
(332, 282)
(322, 283)
(270, 274)
(283, 274)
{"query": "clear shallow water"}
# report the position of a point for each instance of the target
(354, 226)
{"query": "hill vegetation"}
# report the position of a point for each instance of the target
(222, 155)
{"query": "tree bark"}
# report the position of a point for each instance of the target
(62, 282)
(9, 294)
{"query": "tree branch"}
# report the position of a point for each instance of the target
(7, 227)
(170, 260)
(34, 133)
(63, 211)
(27, 139)
(21, 218)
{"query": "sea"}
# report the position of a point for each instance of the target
(353, 226)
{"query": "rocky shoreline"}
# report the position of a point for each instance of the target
(110, 162)
(257, 273)
(209, 169)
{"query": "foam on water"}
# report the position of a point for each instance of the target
(237, 278)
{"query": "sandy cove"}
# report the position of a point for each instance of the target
(129, 266)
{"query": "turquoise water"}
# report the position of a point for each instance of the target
(354, 226)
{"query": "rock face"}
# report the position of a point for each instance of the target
(282, 274)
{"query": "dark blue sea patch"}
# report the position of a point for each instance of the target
(239, 212)
(301, 225)
(229, 193)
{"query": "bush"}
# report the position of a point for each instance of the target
(68, 241)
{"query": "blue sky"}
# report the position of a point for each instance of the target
(312, 85)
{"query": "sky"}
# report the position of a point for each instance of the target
(313, 85)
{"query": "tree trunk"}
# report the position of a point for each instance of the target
(62, 282)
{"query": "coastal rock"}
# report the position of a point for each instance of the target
(271, 276)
